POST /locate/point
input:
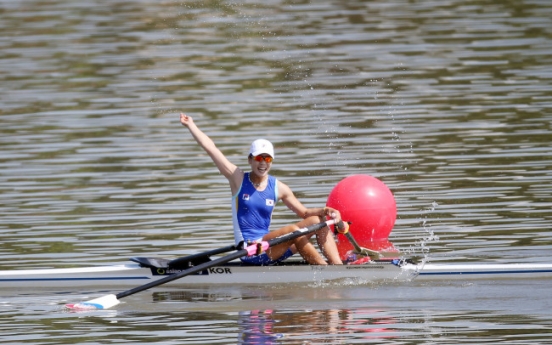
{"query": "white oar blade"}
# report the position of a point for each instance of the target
(104, 302)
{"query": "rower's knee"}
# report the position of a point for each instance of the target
(309, 221)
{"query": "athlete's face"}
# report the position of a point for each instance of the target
(260, 164)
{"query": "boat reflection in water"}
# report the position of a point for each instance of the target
(257, 327)
(279, 317)
(328, 326)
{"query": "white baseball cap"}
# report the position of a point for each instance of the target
(260, 146)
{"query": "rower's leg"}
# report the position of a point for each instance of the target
(309, 252)
(302, 244)
(326, 243)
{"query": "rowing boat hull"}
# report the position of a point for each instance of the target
(131, 275)
(134, 274)
(483, 271)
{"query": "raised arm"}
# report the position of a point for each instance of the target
(226, 168)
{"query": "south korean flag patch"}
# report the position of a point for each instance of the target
(269, 202)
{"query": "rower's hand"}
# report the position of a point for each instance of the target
(186, 120)
(333, 214)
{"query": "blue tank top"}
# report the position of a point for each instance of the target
(252, 209)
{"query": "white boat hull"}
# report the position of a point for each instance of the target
(131, 275)
(484, 271)
(134, 275)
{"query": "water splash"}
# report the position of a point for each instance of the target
(423, 244)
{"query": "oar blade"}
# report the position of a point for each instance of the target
(104, 302)
(109, 301)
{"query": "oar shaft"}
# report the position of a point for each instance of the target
(238, 254)
(373, 254)
(183, 273)
(353, 241)
(303, 231)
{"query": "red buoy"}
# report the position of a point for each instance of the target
(370, 206)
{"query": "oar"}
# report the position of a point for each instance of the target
(109, 301)
(373, 254)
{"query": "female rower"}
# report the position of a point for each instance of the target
(254, 195)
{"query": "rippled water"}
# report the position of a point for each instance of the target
(447, 102)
